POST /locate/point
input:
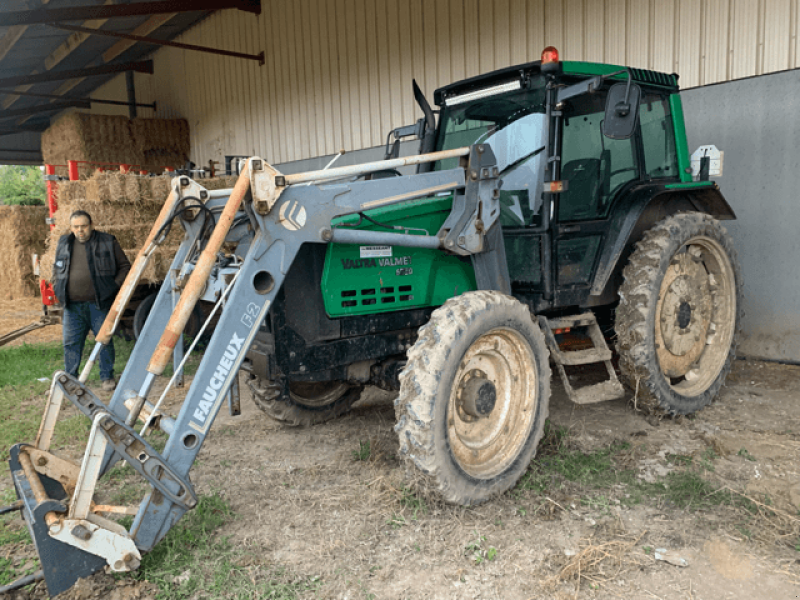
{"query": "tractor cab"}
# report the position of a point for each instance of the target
(572, 140)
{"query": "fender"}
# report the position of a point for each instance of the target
(643, 207)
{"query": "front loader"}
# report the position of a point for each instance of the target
(455, 285)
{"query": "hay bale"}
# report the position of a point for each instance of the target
(125, 206)
(23, 232)
(219, 183)
(122, 205)
(162, 142)
(93, 138)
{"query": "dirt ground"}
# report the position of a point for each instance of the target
(18, 313)
(305, 504)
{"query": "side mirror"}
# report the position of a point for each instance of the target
(622, 110)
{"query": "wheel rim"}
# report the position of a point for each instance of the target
(695, 316)
(485, 447)
(317, 394)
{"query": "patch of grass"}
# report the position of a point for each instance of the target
(363, 453)
(679, 459)
(22, 397)
(411, 500)
(556, 463)
(477, 551)
(396, 522)
(21, 410)
(14, 532)
(28, 362)
(707, 459)
(746, 455)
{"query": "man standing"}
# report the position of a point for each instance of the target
(89, 269)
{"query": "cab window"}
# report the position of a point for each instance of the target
(594, 166)
(658, 137)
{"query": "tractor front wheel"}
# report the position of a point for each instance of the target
(473, 398)
(308, 403)
(679, 314)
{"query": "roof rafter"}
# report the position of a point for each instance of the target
(81, 13)
(43, 108)
(145, 28)
(144, 66)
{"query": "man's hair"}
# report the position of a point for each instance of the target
(81, 213)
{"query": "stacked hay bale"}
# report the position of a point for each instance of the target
(125, 206)
(23, 232)
(149, 144)
(92, 138)
(162, 142)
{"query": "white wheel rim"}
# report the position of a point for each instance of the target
(695, 316)
(485, 447)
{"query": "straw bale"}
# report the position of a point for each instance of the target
(162, 142)
(122, 205)
(218, 183)
(94, 138)
(159, 189)
(125, 206)
(22, 233)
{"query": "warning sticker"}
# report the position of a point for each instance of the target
(375, 251)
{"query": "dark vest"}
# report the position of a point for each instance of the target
(102, 268)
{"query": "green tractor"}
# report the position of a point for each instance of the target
(600, 218)
(546, 195)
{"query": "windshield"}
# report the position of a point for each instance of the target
(474, 122)
(514, 125)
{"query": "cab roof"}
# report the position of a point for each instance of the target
(568, 68)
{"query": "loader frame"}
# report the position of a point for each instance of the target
(269, 219)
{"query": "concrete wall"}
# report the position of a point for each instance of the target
(755, 122)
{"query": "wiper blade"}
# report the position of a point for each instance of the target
(522, 159)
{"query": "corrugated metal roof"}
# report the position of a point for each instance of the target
(40, 48)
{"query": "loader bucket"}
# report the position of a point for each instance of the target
(62, 564)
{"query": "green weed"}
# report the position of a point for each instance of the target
(476, 551)
(396, 522)
(556, 463)
(746, 455)
(363, 453)
(411, 500)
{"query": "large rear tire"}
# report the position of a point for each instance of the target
(307, 403)
(679, 314)
(473, 398)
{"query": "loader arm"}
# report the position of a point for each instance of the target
(266, 218)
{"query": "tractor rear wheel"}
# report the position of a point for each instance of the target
(473, 398)
(308, 403)
(679, 314)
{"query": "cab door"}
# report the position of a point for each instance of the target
(596, 169)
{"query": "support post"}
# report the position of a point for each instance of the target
(131, 94)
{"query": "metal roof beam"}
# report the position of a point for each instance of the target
(84, 13)
(73, 42)
(25, 129)
(11, 37)
(144, 66)
(148, 40)
(58, 97)
(42, 108)
(145, 28)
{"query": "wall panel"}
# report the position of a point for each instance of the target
(338, 72)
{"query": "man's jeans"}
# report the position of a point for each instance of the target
(78, 319)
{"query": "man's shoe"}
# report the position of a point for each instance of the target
(109, 385)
